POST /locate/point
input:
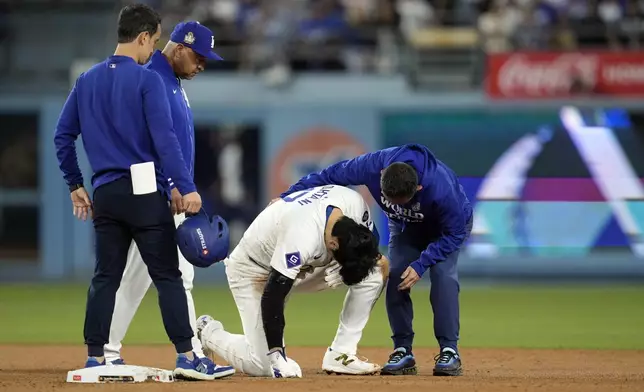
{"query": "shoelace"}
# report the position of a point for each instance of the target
(444, 357)
(396, 356)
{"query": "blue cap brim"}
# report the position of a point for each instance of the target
(213, 56)
(209, 54)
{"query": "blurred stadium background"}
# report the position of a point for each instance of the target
(537, 105)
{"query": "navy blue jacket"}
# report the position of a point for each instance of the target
(182, 120)
(435, 217)
(122, 112)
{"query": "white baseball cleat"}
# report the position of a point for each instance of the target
(339, 363)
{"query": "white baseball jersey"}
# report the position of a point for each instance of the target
(289, 234)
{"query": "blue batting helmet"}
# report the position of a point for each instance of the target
(202, 240)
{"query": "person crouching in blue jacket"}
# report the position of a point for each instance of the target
(429, 218)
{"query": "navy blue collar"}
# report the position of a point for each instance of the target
(160, 63)
(120, 59)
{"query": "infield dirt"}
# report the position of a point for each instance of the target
(44, 368)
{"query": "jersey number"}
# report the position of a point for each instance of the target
(296, 196)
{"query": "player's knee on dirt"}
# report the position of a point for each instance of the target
(258, 367)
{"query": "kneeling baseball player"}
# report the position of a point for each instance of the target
(313, 240)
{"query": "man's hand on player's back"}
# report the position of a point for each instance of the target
(191, 203)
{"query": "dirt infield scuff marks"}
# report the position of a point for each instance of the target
(44, 368)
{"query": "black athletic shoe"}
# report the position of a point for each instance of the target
(400, 363)
(448, 363)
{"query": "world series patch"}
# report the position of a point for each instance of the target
(293, 260)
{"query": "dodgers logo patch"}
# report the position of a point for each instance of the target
(293, 260)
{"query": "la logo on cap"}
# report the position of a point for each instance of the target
(212, 42)
(189, 38)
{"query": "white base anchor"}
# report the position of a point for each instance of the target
(119, 374)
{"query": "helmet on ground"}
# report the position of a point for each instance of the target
(203, 240)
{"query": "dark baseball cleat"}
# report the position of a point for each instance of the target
(93, 362)
(448, 363)
(400, 363)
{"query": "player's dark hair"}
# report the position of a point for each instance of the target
(399, 181)
(357, 252)
(135, 19)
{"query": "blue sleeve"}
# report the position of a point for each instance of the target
(356, 171)
(159, 119)
(453, 228)
(67, 131)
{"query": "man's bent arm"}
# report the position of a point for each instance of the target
(67, 131)
(356, 171)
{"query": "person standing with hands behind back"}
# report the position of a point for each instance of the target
(123, 114)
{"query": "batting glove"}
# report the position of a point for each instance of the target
(332, 275)
(282, 366)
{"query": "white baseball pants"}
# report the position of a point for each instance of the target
(134, 284)
(247, 352)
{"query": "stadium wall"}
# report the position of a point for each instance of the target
(549, 219)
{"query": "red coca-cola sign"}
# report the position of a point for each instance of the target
(558, 75)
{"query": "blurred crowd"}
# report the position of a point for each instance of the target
(561, 24)
(360, 35)
(314, 35)
(280, 36)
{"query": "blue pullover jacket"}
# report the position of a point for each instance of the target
(122, 112)
(182, 119)
(435, 217)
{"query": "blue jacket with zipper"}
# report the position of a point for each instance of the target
(182, 120)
